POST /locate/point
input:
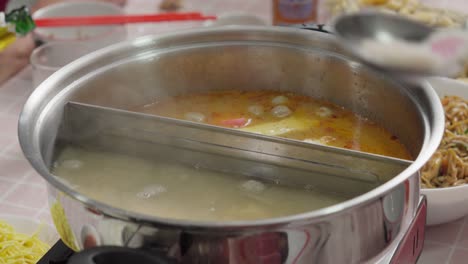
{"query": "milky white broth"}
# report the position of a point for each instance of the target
(176, 191)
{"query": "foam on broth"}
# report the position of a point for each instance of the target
(172, 190)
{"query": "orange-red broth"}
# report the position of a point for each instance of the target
(282, 114)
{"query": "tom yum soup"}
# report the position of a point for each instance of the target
(282, 114)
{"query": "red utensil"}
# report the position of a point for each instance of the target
(119, 19)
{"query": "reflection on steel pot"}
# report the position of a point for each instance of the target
(310, 63)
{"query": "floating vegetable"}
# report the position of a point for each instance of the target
(236, 122)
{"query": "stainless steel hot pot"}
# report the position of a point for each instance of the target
(311, 63)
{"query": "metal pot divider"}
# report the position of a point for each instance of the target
(227, 150)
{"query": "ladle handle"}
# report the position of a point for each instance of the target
(116, 255)
(449, 43)
(451, 49)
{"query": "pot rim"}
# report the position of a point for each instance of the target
(31, 115)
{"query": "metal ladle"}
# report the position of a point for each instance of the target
(399, 45)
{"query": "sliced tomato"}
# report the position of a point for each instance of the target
(236, 122)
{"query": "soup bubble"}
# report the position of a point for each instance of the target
(281, 99)
(253, 186)
(151, 191)
(281, 111)
(72, 164)
(256, 110)
(324, 112)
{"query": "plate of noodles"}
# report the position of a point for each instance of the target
(23, 240)
(444, 179)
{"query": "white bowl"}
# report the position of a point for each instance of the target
(96, 36)
(23, 225)
(447, 204)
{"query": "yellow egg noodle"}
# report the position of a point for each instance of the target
(16, 248)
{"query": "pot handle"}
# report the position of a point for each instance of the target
(318, 27)
(117, 255)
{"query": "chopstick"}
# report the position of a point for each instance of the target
(119, 19)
